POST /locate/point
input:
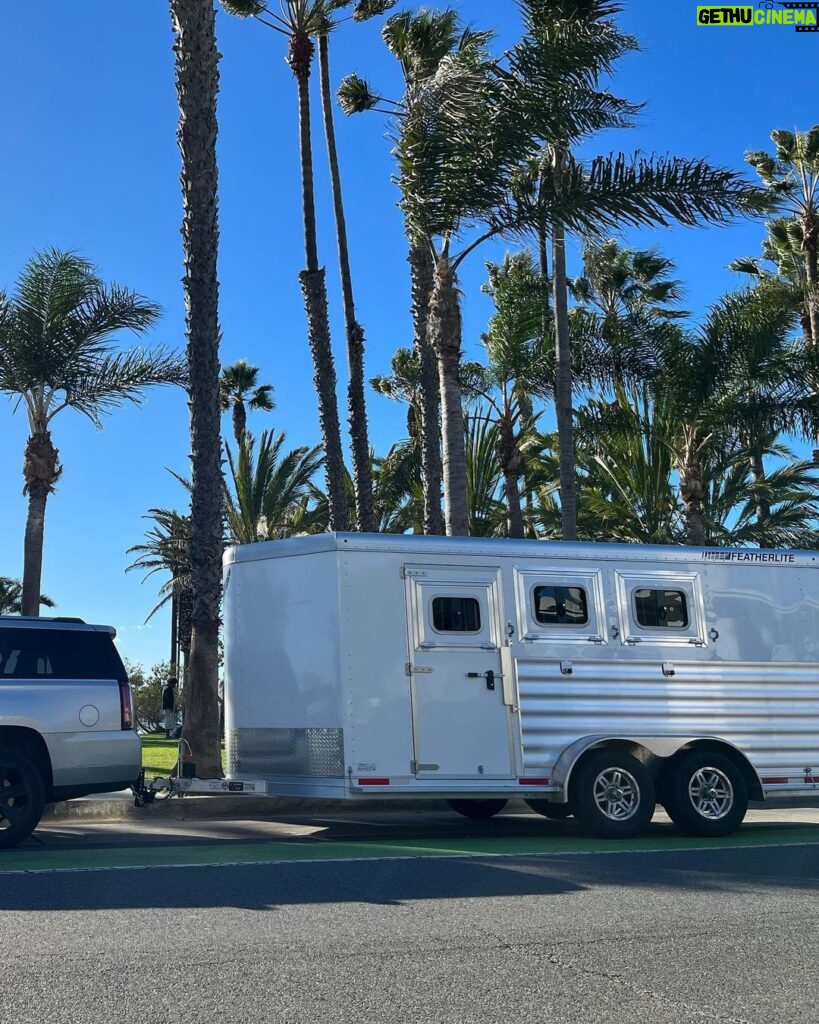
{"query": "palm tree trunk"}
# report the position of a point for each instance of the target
(810, 247)
(41, 471)
(174, 659)
(445, 332)
(422, 269)
(763, 505)
(510, 465)
(691, 492)
(563, 386)
(197, 84)
(356, 402)
(300, 58)
(239, 416)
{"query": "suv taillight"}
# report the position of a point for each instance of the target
(126, 710)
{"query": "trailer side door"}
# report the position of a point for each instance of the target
(461, 722)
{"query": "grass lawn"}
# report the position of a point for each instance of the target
(159, 755)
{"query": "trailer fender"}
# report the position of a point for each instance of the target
(645, 748)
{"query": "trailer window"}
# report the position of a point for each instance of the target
(563, 606)
(661, 609)
(456, 615)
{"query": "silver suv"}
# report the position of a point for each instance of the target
(66, 718)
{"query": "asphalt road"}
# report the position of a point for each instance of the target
(726, 933)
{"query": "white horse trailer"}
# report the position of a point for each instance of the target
(591, 679)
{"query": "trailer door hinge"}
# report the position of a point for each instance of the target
(407, 573)
(411, 669)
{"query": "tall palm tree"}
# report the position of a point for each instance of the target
(791, 176)
(555, 189)
(421, 42)
(197, 84)
(239, 391)
(300, 21)
(56, 353)
(11, 597)
(363, 10)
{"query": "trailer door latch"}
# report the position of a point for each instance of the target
(489, 676)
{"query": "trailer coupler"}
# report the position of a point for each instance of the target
(148, 791)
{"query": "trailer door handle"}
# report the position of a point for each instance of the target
(489, 676)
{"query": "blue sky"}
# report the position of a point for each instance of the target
(89, 118)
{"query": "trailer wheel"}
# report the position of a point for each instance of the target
(478, 808)
(706, 794)
(612, 795)
(22, 797)
(549, 809)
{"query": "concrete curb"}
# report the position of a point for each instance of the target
(113, 806)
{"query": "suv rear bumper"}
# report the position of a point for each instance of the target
(93, 762)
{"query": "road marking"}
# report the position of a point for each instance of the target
(320, 851)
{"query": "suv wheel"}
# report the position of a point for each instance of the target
(22, 796)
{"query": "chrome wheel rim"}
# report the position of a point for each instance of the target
(14, 796)
(616, 794)
(711, 793)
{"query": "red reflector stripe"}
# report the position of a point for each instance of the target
(533, 782)
(775, 781)
(373, 782)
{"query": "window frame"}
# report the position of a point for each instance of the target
(627, 582)
(530, 631)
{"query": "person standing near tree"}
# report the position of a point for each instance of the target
(169, 705)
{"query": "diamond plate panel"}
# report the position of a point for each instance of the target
(311, 752)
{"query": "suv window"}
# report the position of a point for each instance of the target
(58, 654)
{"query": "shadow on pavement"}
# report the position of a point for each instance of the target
(265, 887)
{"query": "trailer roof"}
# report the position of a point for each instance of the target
(418, 546)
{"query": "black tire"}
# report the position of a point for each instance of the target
(612, 795)
(20, 811)
(478, 808)
(557, 812)
(705, 794)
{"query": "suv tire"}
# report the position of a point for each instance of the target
(22, 796)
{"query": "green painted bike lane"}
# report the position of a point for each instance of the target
(316, 850)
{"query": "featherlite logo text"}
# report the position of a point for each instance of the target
(804, 17)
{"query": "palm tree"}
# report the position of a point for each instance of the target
(11, 597)
(421, 42)
(299, 22)
(239, 391)
(484, 480)
(267, 487)
(737, 375)
(167, 549)
(521, 367)
(625, 453)
(197, 84)
(553, 189)
(363, 10)
(791, 176)
(56, 353)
